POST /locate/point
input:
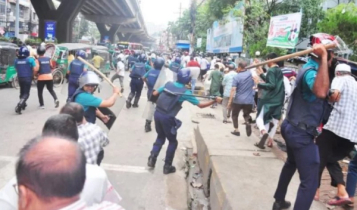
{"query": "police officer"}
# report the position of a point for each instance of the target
(170, 98)
(76, 68)
(150, 79)
(88, 83)
(45, 76)
(299, 129)
(136, 83)
(176, 65)
(25, 66)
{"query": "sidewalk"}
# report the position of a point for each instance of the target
(234, 177)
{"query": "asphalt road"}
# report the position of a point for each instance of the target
(125, 157)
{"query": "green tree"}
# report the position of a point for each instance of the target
(83, 28)
(342, 21)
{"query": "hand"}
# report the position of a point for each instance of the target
(256, 61)
(320, 50)
(219, 100)
(292, 78)
(116, 90)
(229, 105)
(335, 96)
(259, 70)
(105, 118)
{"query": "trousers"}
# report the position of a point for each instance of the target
(303, 155)
(262, 126)
(165, 126)
(332, 149)
(49, 85)
(136, 87)
(121, 79)
(25, 87)
(226, 112)
(352, 177)
(236, 108)
(72, 87)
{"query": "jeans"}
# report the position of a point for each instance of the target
(351, 181)
(236, 108)
(303, 155)
(193, 85)
(49, 85)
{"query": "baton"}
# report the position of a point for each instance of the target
(183, 94)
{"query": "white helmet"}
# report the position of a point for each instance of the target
(88, 78)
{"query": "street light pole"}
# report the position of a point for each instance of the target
(17, 18)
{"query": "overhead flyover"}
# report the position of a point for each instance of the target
(121, 18)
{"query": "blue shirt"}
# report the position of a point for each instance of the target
(309, 80)
(88, 100)
(187, 97)
(243, 82)
(228, 82)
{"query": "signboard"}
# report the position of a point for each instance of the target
(50, 30)
(227, 35)
(199, 42)
(106, 39)
(209, 41)
(284, 30)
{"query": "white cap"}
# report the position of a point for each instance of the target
(343, 67)
(257, 53)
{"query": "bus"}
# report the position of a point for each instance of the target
(130, 47)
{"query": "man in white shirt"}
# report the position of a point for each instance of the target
(204, 67)
(339, 134)
(120, 73)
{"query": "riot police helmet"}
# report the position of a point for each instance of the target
(142, 58)
(88, 78)
(159, 63)
(184, 76)
(178, 60)
(24, 52)
(81, 53)
(41, 50)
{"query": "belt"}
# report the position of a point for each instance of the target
(309, 129)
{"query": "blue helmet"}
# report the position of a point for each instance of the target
(81, 54)
(159, 63)
(142, 58)
(184, 76)
(178, 60)
(24, 52)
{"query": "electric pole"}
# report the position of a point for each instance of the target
(193, 12)
(17, 19)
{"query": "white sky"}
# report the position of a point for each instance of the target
(161, 12)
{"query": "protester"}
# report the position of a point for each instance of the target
(216, 77)
(204, 67)
(120, 73)
(299, 130)
(242, 98)
(92, 138)
(97, 60)
(193, 63)
(339, 135)
(271, 103)
(227, 83)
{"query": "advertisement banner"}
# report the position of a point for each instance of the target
(50, 30)
(228, 34)
(284, 30)
(199, 42)
(209, 41)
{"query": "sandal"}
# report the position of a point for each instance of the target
(337, 201)
(235, 133)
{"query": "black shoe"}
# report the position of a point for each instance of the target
(24, 106)
(18, 109)
(281, 205)
(56, 103)
(135, 105)
(122, 90)
(168, 169)
(262, 141)
(148, 126)
(248, 129)
(152, 161)
(128, 104)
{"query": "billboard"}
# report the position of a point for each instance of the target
(50, 30)
(226, 35)
(284, 30)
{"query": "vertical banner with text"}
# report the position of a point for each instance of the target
(284, 30)
(50, 30)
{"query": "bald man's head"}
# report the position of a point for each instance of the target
(52, 168)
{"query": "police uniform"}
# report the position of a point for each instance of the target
(90, 112)
(45, 68)
(76, 69)
(136, 83)
(24, 68)
(168, 106)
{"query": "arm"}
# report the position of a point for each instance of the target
(104, 140)
(336, 90)
(35, 65)
(110, 101)
(322, 81)
(270, 81)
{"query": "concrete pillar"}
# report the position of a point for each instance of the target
(105, 32)
(64, 16)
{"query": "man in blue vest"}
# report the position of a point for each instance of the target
(76, 68)
(88, 83)
(136, 83)
(150, 79)
(299, 129)
(25, 66)
(169, 103)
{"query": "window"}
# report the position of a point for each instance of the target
(34, 16)
(2, 8)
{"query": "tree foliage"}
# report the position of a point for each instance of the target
(342, 21)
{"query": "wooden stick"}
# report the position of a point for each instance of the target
(99, 72)
(285, 57)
